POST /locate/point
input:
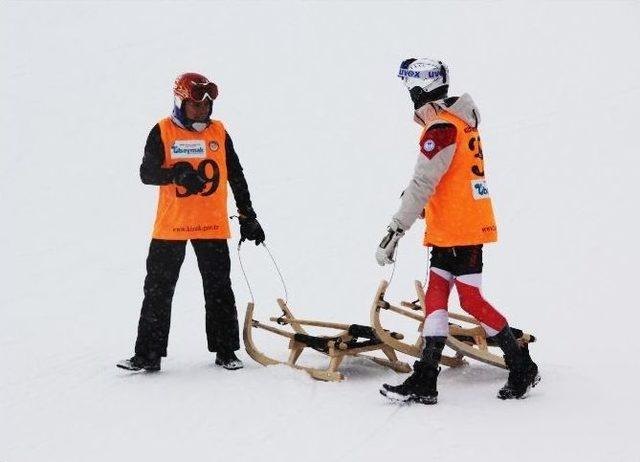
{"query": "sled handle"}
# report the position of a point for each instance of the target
(309, 322)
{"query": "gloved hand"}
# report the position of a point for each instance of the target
(186, 176)
(251, 230)
(387, 247)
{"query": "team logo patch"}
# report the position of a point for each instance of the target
(183, 149)
(429, 145)
(213, 145)
(437, 138)
(479, 189)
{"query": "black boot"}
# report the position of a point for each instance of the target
(421, 386)
(523, 372)
(228, 360)
(137, 363)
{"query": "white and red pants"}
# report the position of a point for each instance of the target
(462, 267)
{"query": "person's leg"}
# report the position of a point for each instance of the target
(468, 272)
(436, 301)
(221, 324)
(523, 372)
(163, 268)
(421, 386)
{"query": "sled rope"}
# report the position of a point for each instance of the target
(244, 274)
(275, 265)
(393, 270)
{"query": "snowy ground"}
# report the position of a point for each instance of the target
(324, 131)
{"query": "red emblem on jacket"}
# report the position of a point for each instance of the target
(436, 138)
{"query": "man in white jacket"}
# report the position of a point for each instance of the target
(449, 185)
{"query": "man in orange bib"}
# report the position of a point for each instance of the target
(191, 158)
(449, 178)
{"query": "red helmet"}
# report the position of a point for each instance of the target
(195, 87)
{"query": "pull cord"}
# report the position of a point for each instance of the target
(244, 274)
(275, 265)
(393, 270)
(273, 261)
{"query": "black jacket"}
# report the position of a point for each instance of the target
(151, 171)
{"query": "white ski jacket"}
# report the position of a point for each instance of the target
(433, 160)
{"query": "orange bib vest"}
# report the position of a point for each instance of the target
(181, 215)
(459, 212)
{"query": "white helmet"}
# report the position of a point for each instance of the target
(426, 79)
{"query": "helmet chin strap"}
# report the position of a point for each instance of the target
(199, 126)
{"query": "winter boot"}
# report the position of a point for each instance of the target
(421, 386)
(137, 363)
(228, 360)
(523, 372)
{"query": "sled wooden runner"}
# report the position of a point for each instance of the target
(351, 340)
(468, 341)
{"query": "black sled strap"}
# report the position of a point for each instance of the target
(357, 330)
(317, 343)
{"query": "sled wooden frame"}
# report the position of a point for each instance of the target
(465, 341)
(337, 346)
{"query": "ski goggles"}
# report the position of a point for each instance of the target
(201, 91)
(425, 75)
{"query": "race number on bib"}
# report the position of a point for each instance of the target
(182, 149)
(479, 189)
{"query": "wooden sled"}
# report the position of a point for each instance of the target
(351, 340)
(468, 339)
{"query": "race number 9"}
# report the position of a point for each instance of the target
(210, 172)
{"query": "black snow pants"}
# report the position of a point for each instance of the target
(163, 267)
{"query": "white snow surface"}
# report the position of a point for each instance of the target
(324, 131)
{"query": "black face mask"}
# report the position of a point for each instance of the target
(421, 97)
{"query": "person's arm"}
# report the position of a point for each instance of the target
(151, 171)
(237, 181)
(437, 148)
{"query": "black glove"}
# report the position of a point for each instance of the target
(251, 230)
(186, 176)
